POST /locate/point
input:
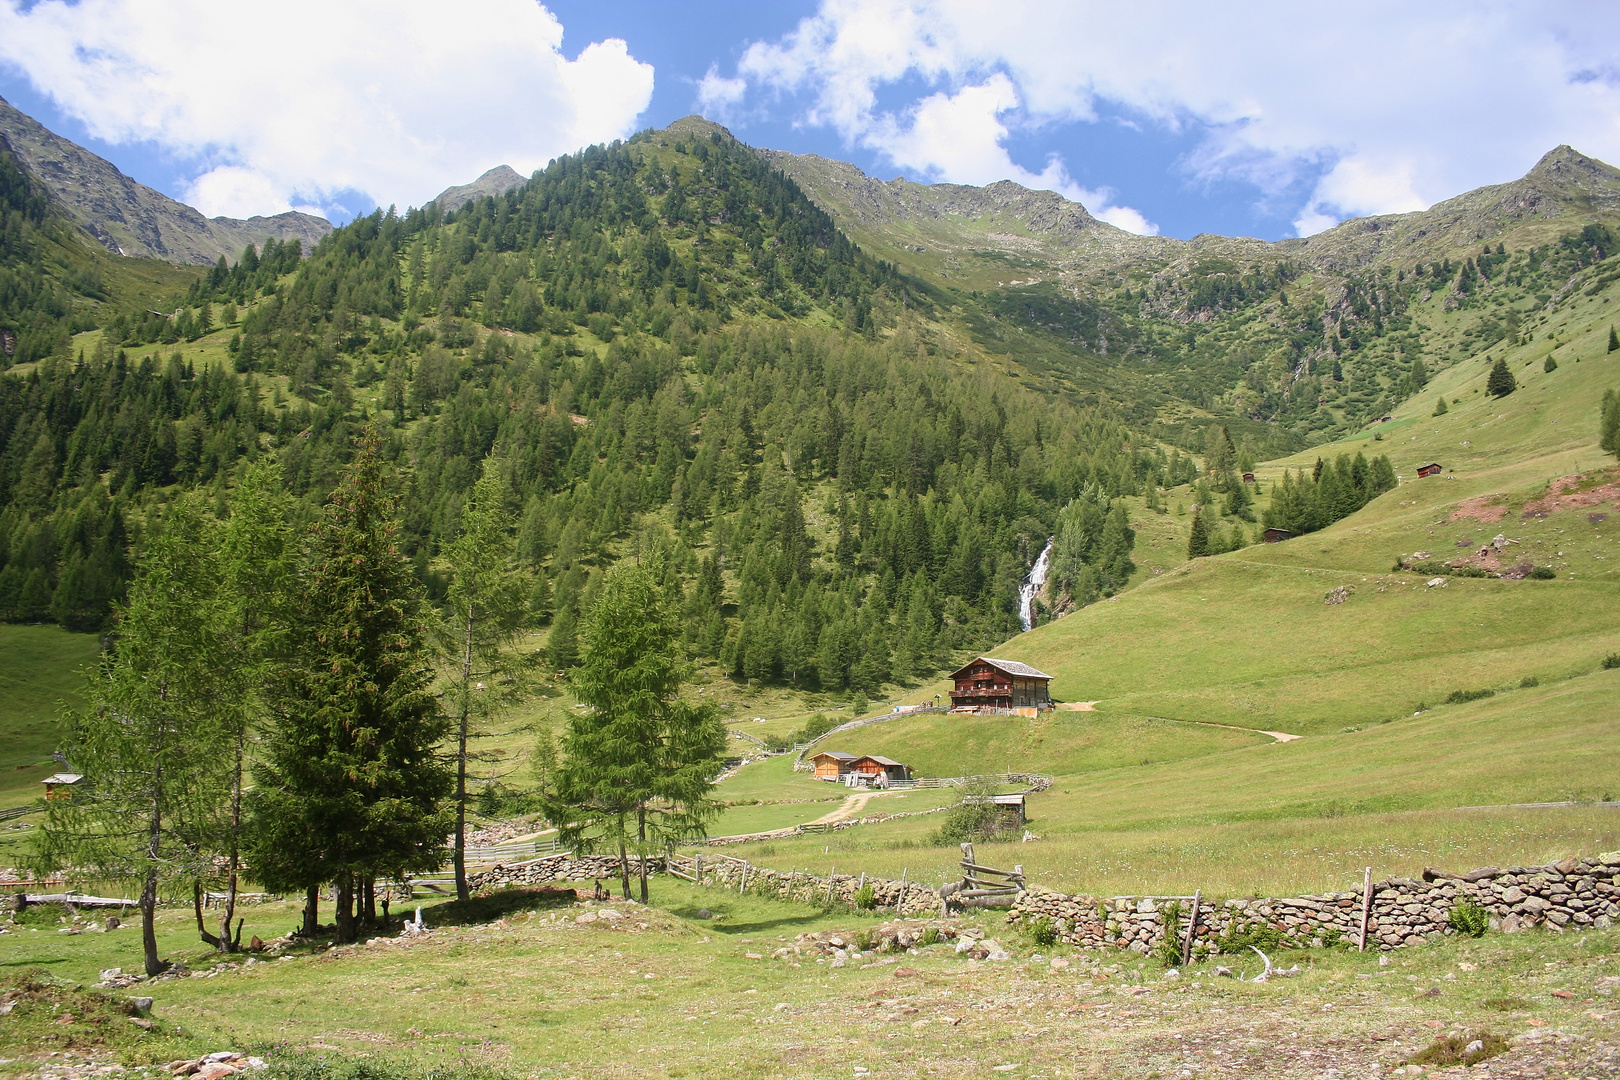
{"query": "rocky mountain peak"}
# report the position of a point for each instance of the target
(496, 181)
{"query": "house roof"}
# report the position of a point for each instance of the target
(1011, 667)
(837, 755)
(63, 778)
(884, 761)
(1432, 465)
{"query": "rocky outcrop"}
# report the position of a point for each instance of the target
(497, 181)
(130, 218)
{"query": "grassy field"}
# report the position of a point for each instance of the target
(41, 671)
(525, 990)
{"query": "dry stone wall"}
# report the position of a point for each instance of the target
(1570, 894)
(1574, 893)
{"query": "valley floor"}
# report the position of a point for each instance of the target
(661, 992)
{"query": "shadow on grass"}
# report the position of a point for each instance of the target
(723, 925)
(483, 909)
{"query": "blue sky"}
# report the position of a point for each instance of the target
(1267, 120)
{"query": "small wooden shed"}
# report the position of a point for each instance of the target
(1433, 468)
(831, 764)
(1248, 478)
(1276, 536)
(60, 785)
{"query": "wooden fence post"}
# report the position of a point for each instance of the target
(697, 868)
(742, 886)
(1192, 927)
(832, 875)
(1366, 906)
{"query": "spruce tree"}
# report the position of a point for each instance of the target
(1500, 382)
(637, 766)
(1440, 406)
(350, 786)
(1549, 365)
(1198, 540)
(1614, 341)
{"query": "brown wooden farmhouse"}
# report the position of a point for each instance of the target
(831, 765)
(1433, 468)
(835, 765)
(1000, 684)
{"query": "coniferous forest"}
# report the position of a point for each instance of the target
(665, 346)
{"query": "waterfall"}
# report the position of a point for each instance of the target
(1032, 586)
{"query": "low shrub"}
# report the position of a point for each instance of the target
(1168, 951)
(1460, 1048)
(866, 897)
(1468, 918)
(1611, 661)
(1238, 939)
(864, 940)
(1542, 573)
(1041, 931)
(1528, 681)
(1458, 697)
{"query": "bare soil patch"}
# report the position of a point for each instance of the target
(1570, 493)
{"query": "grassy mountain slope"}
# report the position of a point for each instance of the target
(130, 218)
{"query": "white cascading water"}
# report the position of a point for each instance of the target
(1032, 587)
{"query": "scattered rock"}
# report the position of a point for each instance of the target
(905, 973)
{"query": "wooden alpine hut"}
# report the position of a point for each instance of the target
(1433, 468)
(987, 683)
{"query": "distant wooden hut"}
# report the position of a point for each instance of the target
(60, 785)
(1248, 478)
(1433, 468)
(873, 767)
(1276, 536)
(831, 764)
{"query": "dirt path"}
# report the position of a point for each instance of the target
(851, 807)
(1091, 706)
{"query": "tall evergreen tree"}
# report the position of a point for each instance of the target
(638, 764)
(1500, 382)
(1198, 539)
(351, 785)
(1614, 341)
(1609, 422)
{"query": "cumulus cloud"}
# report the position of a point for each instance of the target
(1376, 107)
(292, 104)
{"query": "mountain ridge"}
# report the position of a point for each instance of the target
(496, 181)
(128, 218)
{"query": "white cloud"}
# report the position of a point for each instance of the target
(1383, 106)
(299, 101)
(719, 97)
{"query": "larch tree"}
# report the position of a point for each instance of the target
(488, 609)
(151, 746)
(351, 784)
(255, 572)
(638, 766)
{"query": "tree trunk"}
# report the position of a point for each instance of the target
(312, 911)
(369, 891)
(460, 856)
(149, 887)
(231, 875)
(202, 926)
(641, 846)
(345, 907)
(624, 867)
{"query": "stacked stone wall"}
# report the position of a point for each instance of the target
(1570, 894)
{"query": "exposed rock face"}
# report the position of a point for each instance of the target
(497, 181)
(133, 219)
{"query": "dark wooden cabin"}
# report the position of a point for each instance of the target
(1276, 536)
(1000, 684)
(1433, 468)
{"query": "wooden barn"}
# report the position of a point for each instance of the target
(1433, 468)
(1248, 478)
(873, 768)
(988, 683)
(1276, 536)
(831, 764)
